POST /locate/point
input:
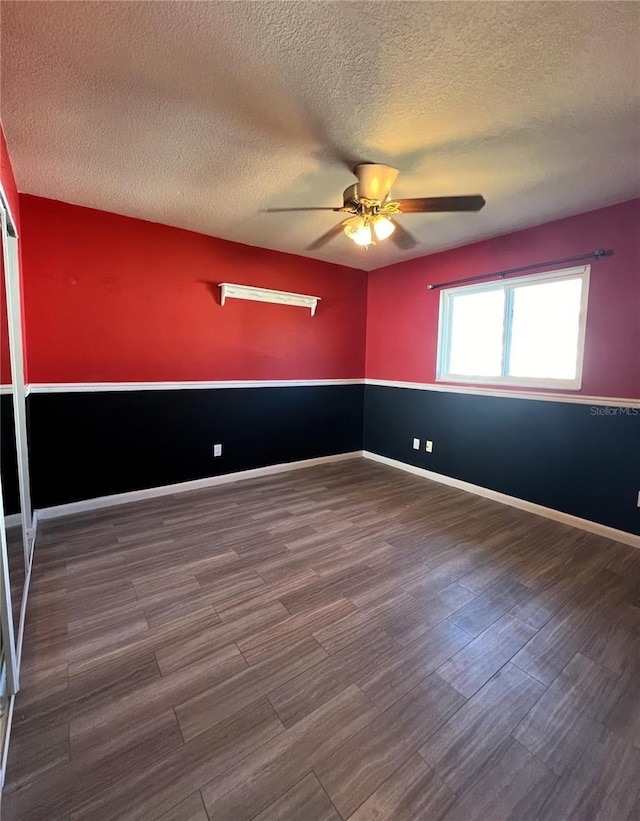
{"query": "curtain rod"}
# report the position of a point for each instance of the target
(501, 274)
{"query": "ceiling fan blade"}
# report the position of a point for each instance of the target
(402, 238)
(325, 238)
(375, 181)
(282, 210)
(432, 205)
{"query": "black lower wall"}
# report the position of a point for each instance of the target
(571, 457)
(577, 459)
(8, 457)
(84, 445)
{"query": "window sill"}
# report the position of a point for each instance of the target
(533, 384)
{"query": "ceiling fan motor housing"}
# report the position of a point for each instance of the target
(375, 180)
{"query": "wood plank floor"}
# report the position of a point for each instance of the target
(339, 642)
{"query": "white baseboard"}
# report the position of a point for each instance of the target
(512, 501)
(87, 505)
(15, 520)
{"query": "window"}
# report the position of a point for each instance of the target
(527, 331)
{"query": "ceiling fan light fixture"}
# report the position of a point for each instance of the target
(383, 227)
(359, 230)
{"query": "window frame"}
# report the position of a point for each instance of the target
(509, 285)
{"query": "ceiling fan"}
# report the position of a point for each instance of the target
(373, 211)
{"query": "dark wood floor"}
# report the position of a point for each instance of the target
(344, 641)
(15, 556)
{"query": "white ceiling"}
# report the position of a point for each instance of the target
(201, 114)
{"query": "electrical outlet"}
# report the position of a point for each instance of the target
(416, 444)
(428, 446)
(217, 450)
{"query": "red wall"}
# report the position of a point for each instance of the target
(110, 299)
(7, 178)
(402, 315)
(9, 187)
(114, 299)
(5, 363)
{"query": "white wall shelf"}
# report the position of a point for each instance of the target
(232, 291)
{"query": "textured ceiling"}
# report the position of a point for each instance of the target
(201, 114)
